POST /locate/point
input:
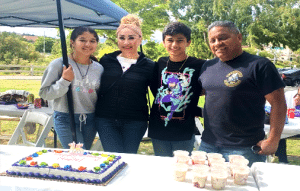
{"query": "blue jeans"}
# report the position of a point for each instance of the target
(226, 151)
(63, 129)
(120, 135)
(166, 148)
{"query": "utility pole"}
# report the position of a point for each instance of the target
(44, 42)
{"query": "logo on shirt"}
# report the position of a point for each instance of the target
(85, 86)
(233, 78)
(174, 94)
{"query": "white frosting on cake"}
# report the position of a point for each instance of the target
(80, 165)
(73, 159)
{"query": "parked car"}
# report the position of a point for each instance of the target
(291, 77)
(281, 70)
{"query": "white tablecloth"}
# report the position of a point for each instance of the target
(13, 111)
(142, 173)
(273, 177)
(290, 129)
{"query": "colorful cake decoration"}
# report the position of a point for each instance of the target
(97, 168)
(43, 164)
(35, 155)
(73, 165)
(33, 163)
(22, 162)
(55, 165)
(72, 147)
(67, 167)
(112, 156)
(76, 148)
(81, 168)
(106, 162)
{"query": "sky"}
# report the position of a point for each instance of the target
(49, 32)
(52, 32)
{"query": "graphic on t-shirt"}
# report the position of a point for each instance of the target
(85, 86)
(174, 94)
(233, 78)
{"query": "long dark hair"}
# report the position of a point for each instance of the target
(79, 31)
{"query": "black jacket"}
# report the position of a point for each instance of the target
(123, 95)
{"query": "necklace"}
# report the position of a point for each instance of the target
(82, 76)
(180, 66)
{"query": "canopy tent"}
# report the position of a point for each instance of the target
(97, 14)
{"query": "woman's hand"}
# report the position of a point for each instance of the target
(68, 73)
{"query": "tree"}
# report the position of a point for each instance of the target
(56, 50)
(199, 47)
(260, 21)
(44, 42)
(153, 14)
(13, 49)
(154, 50)
(277, 23)
(106, 48)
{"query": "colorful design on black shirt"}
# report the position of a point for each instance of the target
(174, 94)
(233, 78)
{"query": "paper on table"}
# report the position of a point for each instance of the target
(273, 176)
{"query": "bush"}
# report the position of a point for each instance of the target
(266, 54)
(250, 50)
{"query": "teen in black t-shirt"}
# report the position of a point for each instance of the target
(176, 91)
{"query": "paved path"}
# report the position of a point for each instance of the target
(20, 77)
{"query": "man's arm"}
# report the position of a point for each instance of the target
(202, 92)
(277, 120)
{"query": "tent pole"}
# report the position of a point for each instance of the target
(66, 63)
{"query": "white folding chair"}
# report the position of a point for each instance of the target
(32, 117)
(198, 137)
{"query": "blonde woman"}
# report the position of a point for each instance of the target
(121, 110)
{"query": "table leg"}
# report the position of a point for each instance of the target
(55, 137)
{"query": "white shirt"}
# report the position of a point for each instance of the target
(289, 95)
(126, 62)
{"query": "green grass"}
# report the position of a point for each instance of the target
(293, 146)
(33, 86)
(293, 151)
